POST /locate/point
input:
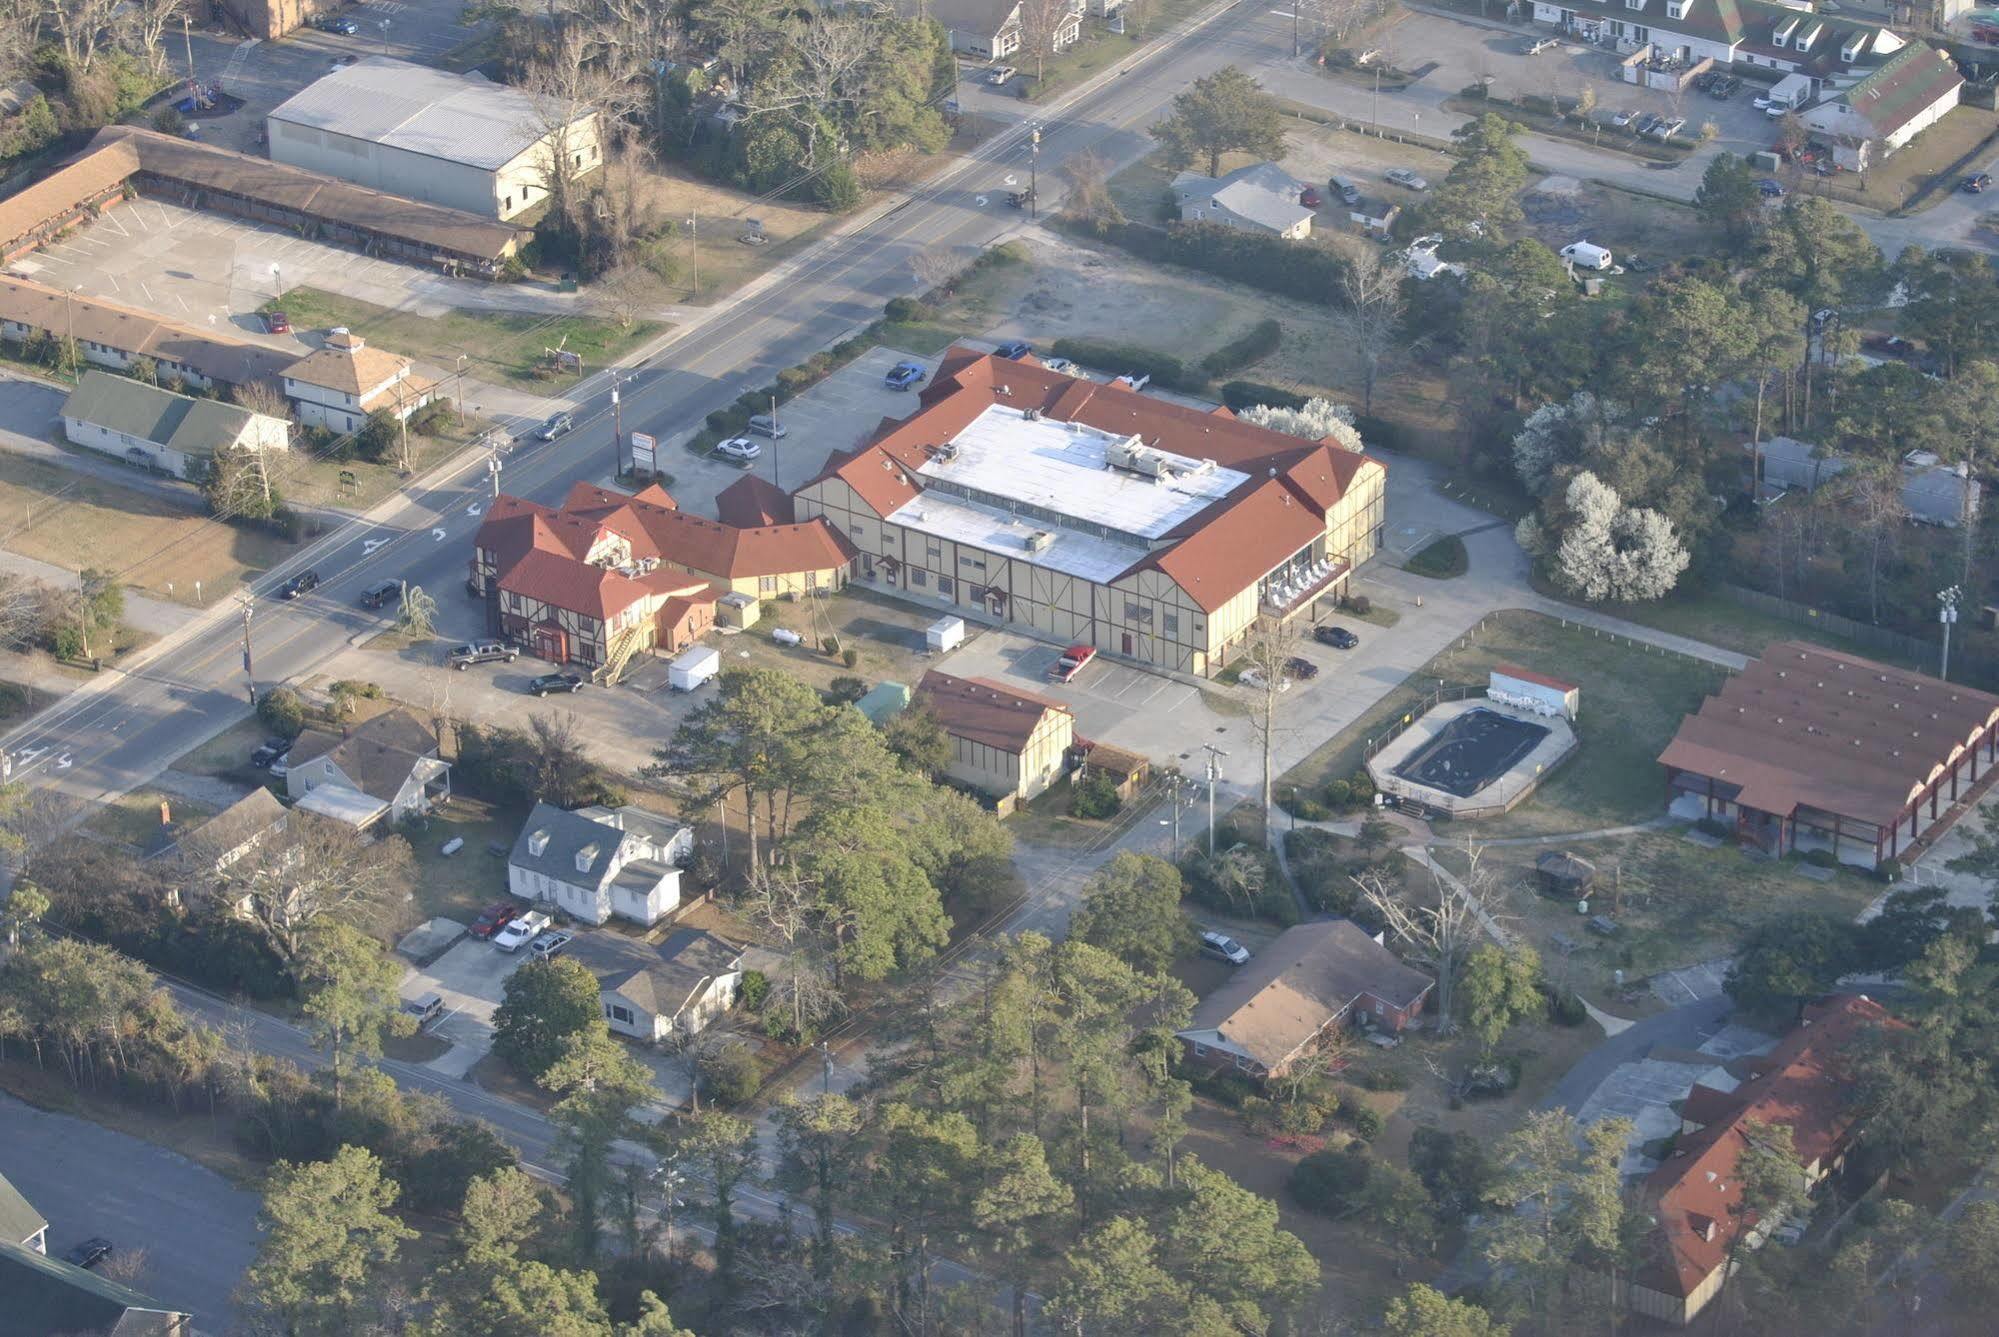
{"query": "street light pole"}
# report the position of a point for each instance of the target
(775, 433)
(249, 660)
(1033, 178)
(385, 37)
(617, 431)
(1947, 615)
(461, 388)
(278, 280)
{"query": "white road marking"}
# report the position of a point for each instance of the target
(437, 534)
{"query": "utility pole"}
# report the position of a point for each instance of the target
(694, 254)
(1294, 29)
(1214, 773)
(1947, 614)
(249, 661)
(461, 388)
(1033, 179)
(493, 464)
(187, 37)
(617, 431)
(775, 432)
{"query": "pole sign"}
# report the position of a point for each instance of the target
(643, 452)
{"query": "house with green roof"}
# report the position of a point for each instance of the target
(158, 429)
(39, 1294)
(1889, 107)
(20, 1223)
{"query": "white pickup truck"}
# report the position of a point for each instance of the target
(521, 932)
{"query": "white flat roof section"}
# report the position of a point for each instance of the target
(1065, 468)
(1065, 550)
(454, 117)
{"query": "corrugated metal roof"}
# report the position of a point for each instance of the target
(456, 118)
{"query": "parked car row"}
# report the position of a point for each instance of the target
(1718, 85)
(510, 928)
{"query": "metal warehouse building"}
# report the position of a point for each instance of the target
(409, 130)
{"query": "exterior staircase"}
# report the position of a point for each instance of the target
(624, 646)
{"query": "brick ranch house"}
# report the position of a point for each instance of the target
(1276, 1006)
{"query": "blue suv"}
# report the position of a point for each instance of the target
(1015, 349)
(903, 375)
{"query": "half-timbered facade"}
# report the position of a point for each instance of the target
(1094, 515)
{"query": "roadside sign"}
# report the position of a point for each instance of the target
(644, 452)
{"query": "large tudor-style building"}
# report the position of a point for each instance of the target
(1092, 514)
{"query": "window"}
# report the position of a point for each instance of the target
(1132, 611)
(944, 586)
(1634, 4)
(918, 578)
(854, 529)
(934, 550)
(766, 584)
(509, 203)
(619, 1013)
(1170, 624)
(1676, 9)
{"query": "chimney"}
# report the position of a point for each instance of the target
(166, 813)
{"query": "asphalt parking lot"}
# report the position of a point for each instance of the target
(198, 1232)
(839, 413)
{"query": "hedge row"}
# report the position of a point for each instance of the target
(1251, 348)
(1298, 270)
(1239, 395)
(1131, 360)
(789, 384)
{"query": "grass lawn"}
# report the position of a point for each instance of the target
(1632, 700)
(1676, 903)
(458, 886)
(498, 346)
(319, 482)
(1101, 48)
(1444, 559)
(1713, 617)
(1892, 181)
(75, 521)
(227, 755)
(134, 817)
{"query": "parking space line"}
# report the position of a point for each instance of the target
(110, 218)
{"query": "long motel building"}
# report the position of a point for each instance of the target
(1094, 515)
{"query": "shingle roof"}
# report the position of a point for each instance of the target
(1914, 80)
(47, 1295)
(19, 1221)
(984, 711)
(1262, 192)
(753, 500)
(983, 17)
(1809, 726)
(377, 756)
(137, 333)
(452, 117)
(659, 979)
(94, 173)
(1307, 976)
(244, 820)
(1797, 1084)
(346, 363)
(148, 413)
(571, 833)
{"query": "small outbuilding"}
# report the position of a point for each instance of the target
(1537, 693)
(1564, 875)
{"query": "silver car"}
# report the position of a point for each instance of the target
(1222, 947)
(1405, 178)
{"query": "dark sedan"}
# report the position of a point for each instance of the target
(556, 682)
(89, 1253)
(1337, 637)
(305, 582)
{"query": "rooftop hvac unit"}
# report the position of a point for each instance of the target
(1031, 415)
(947, 451)
(1039, 541)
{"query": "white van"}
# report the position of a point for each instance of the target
(1583, 255)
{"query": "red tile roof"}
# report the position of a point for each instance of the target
(1529, 675)
(985, 711)
(1221, 551)
(1798, 1084)
(752, 501)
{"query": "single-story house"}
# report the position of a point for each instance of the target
(650, 992)
(1311, 977)
(1933, 493)
(883, 702)
(1125, 769)
(1695, 1194)
(1003, 742)
(339, 385)
(596, 862)
(20, 1223)
(386, 768)
(159, 429)
(231, 833)
(1262, 197)
(1894, 103)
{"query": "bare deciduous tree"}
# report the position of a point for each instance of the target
(81, 27)
(144, 25)
(1090, 199)
(1444, 926)
(1041, 25)
(630, 292)
(1271, 647)
(1372, 321)
(314, 868)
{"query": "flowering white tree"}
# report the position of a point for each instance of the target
(1608, 551)
(1315, 420)
(1558, 434)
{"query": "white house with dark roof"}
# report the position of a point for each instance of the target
(652, 992)
(386, 768)
(339, 385)
(597, 862)
(177, 434)
(20, 1223)
(1766, 34)
(1915, 89)
(1262, 197)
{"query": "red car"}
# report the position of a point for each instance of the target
(493, 918)
(1071, 663)
(1311, 198)
(277, 322)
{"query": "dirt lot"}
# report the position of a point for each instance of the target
(75, 521)
(1561, 209)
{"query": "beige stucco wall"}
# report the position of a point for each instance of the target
(1022, 774)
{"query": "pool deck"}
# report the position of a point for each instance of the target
(1505, 793)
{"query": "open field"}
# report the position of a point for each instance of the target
(496, 346)
(134, 817)
(75, 522)
(1632, 700)
(708, 262)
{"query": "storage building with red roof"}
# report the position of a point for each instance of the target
(1092, 514)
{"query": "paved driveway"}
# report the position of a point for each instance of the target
(198, 1232)
(471, 978)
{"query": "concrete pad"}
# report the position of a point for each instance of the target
(430, 939)
(1690, 984)
(471, 979)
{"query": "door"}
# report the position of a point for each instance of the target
(551, 643)
(1127, 643)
